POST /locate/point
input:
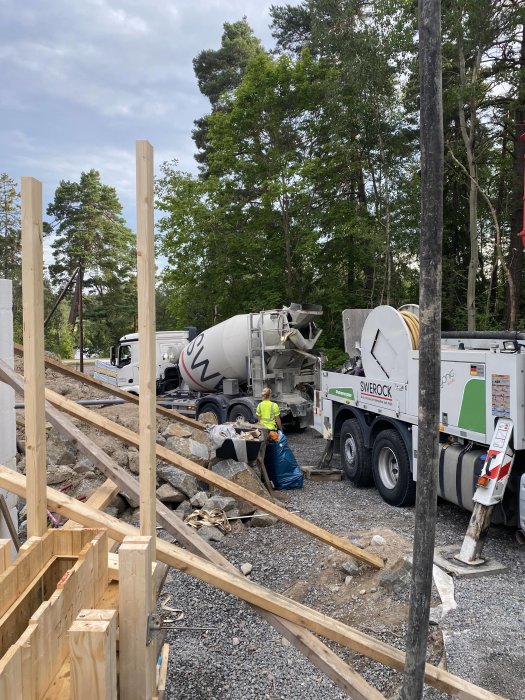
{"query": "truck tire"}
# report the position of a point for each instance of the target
(240, 411)
(391, 469)
(355, 457)
(210, 408)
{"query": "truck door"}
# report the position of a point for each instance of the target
(125, 366)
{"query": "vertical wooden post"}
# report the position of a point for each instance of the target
(431, 135)
(146, 326)
(93, 655)
(136, 657)
(6, 554)
(33, 307)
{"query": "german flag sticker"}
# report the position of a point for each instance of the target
(473, 370)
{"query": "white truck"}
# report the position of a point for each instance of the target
(369, 412)
(224, 369)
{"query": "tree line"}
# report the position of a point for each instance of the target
(308, 184)
(308, 177)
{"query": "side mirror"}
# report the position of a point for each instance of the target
(113, 355)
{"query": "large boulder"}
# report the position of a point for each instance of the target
(242, 475)
(183, 482)
(177, 430)
(224, 503)
(397, 577)
(169, 494)
(189, 448)
(59, 474)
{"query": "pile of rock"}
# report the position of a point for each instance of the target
(69, 470)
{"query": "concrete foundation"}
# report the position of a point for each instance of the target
(7, 400)
(444, 558)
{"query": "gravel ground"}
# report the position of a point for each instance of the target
(242, 657)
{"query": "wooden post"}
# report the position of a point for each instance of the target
(33, 307)
(136, 658)
(6, 555)
(93, 655)
(431, 135)
(146, 327)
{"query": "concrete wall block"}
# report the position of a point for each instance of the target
(10, 499)
(7, 436)
(4, 530)
(7, 397)
(6, 295)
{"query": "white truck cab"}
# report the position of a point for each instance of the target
(123, 368)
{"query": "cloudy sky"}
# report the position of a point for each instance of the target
(82, 80)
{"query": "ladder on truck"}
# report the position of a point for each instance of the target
(491, 486)
(256, 367)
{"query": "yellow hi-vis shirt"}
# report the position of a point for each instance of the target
(266, 412)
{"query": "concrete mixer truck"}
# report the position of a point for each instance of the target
(224, 369)
(369, 412)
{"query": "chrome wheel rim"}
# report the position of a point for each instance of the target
(388, 467)
(350, 450)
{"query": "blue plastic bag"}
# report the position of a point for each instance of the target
(282, 466)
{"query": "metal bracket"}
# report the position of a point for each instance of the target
(154, 627)
(158, 625)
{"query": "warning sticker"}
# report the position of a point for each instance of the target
(501, 395)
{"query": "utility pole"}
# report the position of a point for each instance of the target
(431, 134)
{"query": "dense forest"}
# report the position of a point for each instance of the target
(308, 176)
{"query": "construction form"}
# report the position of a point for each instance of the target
(78, 620)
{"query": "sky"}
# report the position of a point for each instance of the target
(82, 80)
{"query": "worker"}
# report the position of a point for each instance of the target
(268, 412)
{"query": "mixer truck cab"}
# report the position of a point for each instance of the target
(123, 367)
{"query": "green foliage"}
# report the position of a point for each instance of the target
(88, 226)
(220, 71)
(10, 234)
(60, 338)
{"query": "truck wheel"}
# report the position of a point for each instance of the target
(391, 468)
(240, 411)
(355, 457)
(210, 408)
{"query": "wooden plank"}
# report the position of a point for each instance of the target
(16, 618)
(136, 658)
(146, 330)
(99, 500)
(93, 652)
(11, 674)
(6, 554)
(33, 308)
(16, 578)
(100, 561)
(162, 675)
(253, 593)
(80, 441)
(53, 619)
(110, 389)
(43, 643)
(224, 484)
(326, 660)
